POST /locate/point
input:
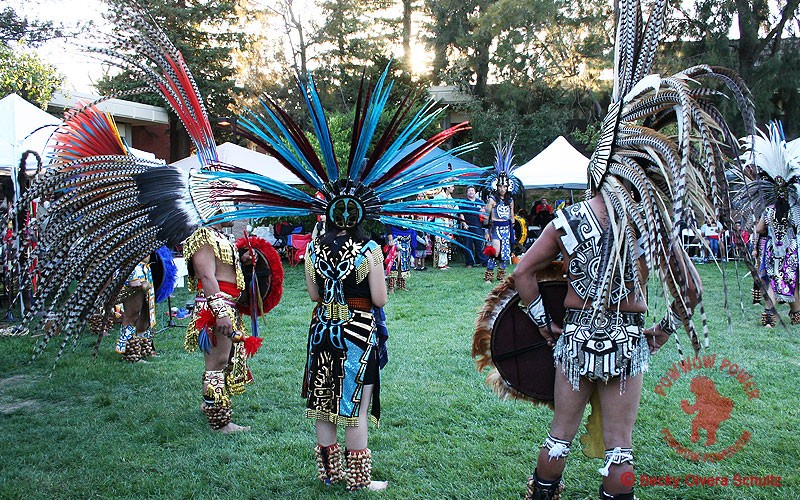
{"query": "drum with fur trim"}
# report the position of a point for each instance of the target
(507, 341)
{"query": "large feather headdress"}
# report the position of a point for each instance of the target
(777, 165)
(110, 209)
(661, 157)
(382, 175)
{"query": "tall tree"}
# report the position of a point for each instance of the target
(297, 36)
(460, 43)
(354, 36)
(766, 54)
(15, 28)
(408, 6)
(206, 33)
(542, 76)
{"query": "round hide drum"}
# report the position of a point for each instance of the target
(520, 354)
(263, 275)
(507, 340)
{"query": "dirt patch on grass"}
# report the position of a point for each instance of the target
(13, 381)
(28, 404)
(10, 404)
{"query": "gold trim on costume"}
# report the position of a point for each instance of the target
(223, 250)
(337, 419)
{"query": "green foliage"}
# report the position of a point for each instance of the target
(352, 38)
(25, 74)
(536, 114)
(101, 428)
(588, 136)
(765, 55)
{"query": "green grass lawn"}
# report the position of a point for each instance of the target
(101, 428)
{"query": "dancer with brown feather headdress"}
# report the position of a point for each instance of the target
(642, 183)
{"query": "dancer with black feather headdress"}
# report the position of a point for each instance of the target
(111, 210)
(642, 183)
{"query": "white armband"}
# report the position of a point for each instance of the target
(535, 311)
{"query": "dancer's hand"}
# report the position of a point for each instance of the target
(656, 337)
(551, 334)
(224, 326)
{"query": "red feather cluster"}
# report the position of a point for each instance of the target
(275, 266)
(205, 319)
(489, 251)
(251, 345)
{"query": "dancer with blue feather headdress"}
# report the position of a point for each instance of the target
(344, 268)
(503, 184)
(112, 209)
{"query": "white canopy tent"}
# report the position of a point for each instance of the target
(23, 127)
(247, 159)
(558, 166)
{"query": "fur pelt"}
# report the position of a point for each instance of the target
(482, 342)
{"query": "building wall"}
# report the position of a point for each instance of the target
(153, 139)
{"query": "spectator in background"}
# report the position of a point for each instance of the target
(474, 255)
(404, 240)
(711, 231)
(542, 213)
(442, 248)
(422, 242)
(745, 237)
(319, 227)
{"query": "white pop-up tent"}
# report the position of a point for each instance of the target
(23, 127)
(558, 166)
(247, 159)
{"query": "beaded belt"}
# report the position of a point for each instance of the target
(578, 316)
(359, 303)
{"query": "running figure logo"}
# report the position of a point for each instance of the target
(711, 407)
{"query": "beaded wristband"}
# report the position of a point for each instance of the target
(216, 303)
(535, 311)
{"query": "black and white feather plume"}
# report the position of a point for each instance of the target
(661, 158)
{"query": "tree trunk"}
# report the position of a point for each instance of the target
(179, 143)
(748, 40)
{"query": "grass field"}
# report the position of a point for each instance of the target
(101, 428)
